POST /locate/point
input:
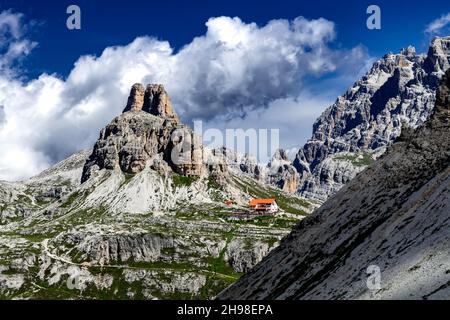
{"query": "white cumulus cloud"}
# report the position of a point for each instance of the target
(238, 74)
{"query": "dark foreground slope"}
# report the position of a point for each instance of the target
(394, 215)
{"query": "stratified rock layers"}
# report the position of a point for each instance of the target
(397, 93)
(147, 132)
(394, 217)
(154, 100)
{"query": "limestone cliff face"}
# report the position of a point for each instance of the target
(282, 173)
(393, 216)
(154, 100)
(148, 130)
(398, 91)
(136, 98)
(279, 172)
(243, 163)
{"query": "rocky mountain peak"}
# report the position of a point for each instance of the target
(153, 99)
(399, 90)
(410, 51)
(437, 60)
(136, 98)
(282, 173)
(281, 154)
(147, 134)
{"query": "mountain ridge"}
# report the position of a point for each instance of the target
(382, 218)
(398, 91)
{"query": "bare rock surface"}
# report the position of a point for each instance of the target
(282, 173)
(148, 128)
(394, 216)
(127, 220)
(153, 99)
(397, 93)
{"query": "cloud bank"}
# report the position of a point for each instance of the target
(236, 75)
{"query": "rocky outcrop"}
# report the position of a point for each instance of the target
(399, 90)
(242, 256)
(136, 247)
(148, 128)
(240, 163)
(337, 170)
(136, 98)
(154, 100)
(392, 219)
(278, 172)
(188, 283)
(282, 173)
(157, 102)
(437, 61)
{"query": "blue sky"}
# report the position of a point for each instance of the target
(231, 64)
(107, 23)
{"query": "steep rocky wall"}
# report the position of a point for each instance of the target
(398, 92)
(149, 128)
(395, 216)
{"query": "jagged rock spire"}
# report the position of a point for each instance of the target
(148, 133)
(438, 53)
(153, 99)
(136, 98)
(281, 154)
(157, 101)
